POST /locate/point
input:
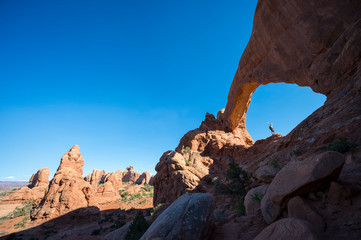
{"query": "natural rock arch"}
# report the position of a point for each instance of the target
(306, 45)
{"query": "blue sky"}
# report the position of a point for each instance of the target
(125, 80)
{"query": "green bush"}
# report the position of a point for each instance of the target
(295, 152)
(21, 211)
(97, 231)
(239, 207)
(275, 161)
(237, 184)
(187, 152)
(339, 144)
(137, 228)
(22, 223)
(257, 197)
(155, 208)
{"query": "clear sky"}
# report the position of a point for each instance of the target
(125, 80)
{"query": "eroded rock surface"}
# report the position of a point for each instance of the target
(34, 191)
(288, 228)
(189, 217)
(67, 190)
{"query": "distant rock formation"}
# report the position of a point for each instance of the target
(144, 178)
(67, 190)
(35, 191)
(130, 176)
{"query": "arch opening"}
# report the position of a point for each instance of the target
(284, 105)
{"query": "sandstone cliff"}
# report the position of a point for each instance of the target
(310, 43)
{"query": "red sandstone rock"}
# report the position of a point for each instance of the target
(67, 190)
(310, 43)
(35, 191)
(144, 178)
(129, 175)
(298, 207)
(286, 229)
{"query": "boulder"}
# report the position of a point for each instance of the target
(338, 193)
(252, 200)
(298, 207)
(300, 177)
(189, 217)
(286, 229)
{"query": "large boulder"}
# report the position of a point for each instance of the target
(300, 177)
(252, 200)
(286, 229)
(298, 207)
(67, 190)
(189, 217)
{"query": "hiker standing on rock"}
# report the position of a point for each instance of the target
(271, 128)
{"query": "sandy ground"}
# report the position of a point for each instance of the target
(8, 208)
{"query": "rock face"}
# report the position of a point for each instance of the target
(95, 178)
(298, 207)
(35, 191)
(67, 190)
(300, 177)
(288, 228)
(252, 201)
(108, 190)
(189, 217)
(144, 178)
(41, 178)
(310, 43)
(129, 175)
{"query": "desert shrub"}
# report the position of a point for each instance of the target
(22, 223)
(143, 201)
(295, 152)
(118, 224)
(3, 233)
(257, 197)
(155, 208)
(239, 207)
(122, 217)
(339, 144)
(237, 184)
(125, 196)
(187, 154)
(137, 228)
(275, 162)
(3, 194)
(97, 231)
(21, 211)
(134, 197)
(148, 188)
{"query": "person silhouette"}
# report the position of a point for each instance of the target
(271, 128)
